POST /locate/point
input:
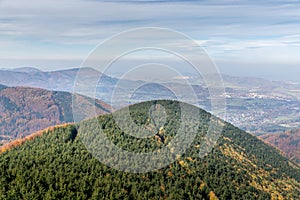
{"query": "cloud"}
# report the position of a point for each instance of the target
(226, 28)
(67, 21)
(236, 45)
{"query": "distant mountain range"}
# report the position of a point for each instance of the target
(57, 165)
(55, 80)
(26, 110)
(253, 104)
(63, 80)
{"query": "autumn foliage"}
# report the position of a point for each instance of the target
(30, 137)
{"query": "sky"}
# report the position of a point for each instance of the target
(258, 38)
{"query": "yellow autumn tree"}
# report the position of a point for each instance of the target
(212, 196)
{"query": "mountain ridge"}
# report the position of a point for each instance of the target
(58, 165)
(25, 110)
(247, 112)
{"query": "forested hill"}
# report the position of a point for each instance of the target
(26, 110)
(57, 165)
(288, 142)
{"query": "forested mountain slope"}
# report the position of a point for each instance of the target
(57, 165)
(26, 110)
(288, 142)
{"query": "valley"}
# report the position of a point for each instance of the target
(256, 105)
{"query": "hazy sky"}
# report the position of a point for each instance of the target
(245, 37)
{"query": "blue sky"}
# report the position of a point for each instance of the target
(254, 38)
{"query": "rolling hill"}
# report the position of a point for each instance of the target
(57, 164)
(26, 110)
